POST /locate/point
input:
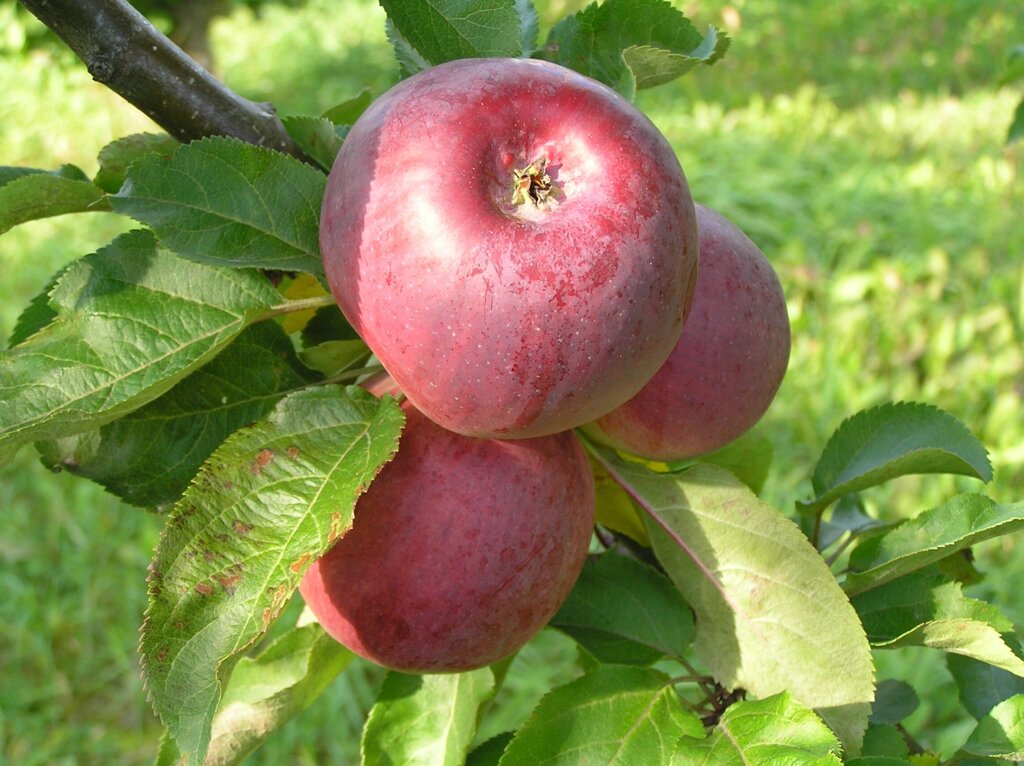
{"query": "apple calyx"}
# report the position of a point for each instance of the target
(532, 184)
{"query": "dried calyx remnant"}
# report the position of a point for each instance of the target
(532, 184)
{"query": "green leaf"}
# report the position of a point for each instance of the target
(427, 719)
(964, 521)
(444, 30)
(770, 616)
(131, 321)
(28, 194)
(116, 157)
(632, 44)
(316, 136)
(490, 752)
(268, 502)
(885, 740)
(268, 690)
(982, 686)
(921, 609)
(409, 59)
(622, 611)
(848, 517)
(1014, 66)
(882, 760)
(1000, 733)
(333, 356)
(529, 26)
(347, 112)
(37, 314)
(893, 440)
(748, 458)
(225, 202)
(612, 715)
(148, 457)
(776, 730)
(894, 701)
(1016, 130)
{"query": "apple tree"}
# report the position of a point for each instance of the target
(515, 244)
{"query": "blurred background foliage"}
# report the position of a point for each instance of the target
(861, 144)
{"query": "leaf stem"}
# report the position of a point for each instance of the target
(345, 375)
(301, 304)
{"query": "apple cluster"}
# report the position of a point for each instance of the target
(518, 246)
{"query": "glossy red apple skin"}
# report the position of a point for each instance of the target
(728, 364)
(462, 549)
(498, 319)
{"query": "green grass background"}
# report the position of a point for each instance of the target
(859, 143)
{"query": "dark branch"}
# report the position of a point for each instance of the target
(125, 52)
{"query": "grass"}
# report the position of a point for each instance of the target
(860, 146)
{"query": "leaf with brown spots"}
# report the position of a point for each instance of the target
(236, 544)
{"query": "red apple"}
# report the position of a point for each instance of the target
(727, 366)
(514, 241)
(461, 550)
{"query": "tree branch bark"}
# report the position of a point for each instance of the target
(125, 52)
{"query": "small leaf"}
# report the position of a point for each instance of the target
(225, 202)
(776, 730)
(529, 26)
(848, 517)
(347, 112)
(631, 44)
(964, 521)
(622, 611)
(116, 157)
(333, 356)
(268, 690)
(131, 321)
(748, 458)
(37, 314)
(457, 29)
(612, 715)
(1000, 734)
(267, 503)
(983, 686)
(894, 440)
(490, 752)
(614, 509)
(28, 195)
(409, 59)
(894, 701)
(148, 457)
(318, 137)
(426, 720)
(770, 616)
(921, 609)
(885, 740)
(1016, 130)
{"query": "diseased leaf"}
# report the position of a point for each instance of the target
(456, 29)
(776, 730)
(228, 203)
(28, 195)
(770, 616)
(893, 440)
(132, 320)
(921, 609)
(116, 157)
(1000, 734)
(318, 137)
(267, 503)
(622, 611)
(149, 456)
(612, 715)
(964, 521)
(429, 720)
(632, 44)
(982, 686)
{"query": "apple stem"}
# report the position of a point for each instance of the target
(532, 184)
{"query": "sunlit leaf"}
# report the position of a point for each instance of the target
(28, 194)
(894, 440)
(116, 157)
(612, 715)
(429, 720)
(1001, 732)
(770, 616)
(982, 686)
